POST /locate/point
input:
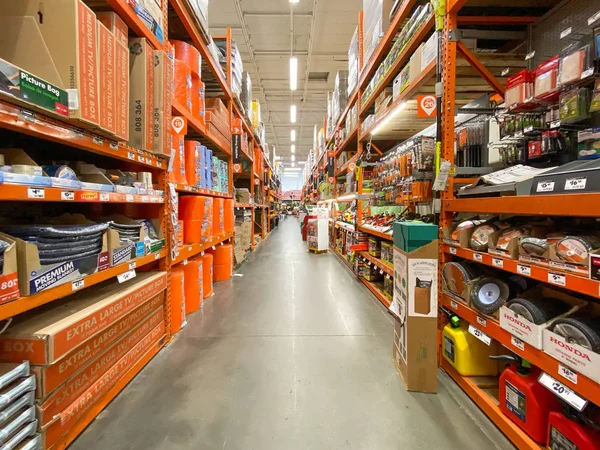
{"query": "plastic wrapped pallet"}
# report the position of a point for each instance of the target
(256, 117)
(353, 63)
(375, 23)
(246, 97)
(200, 10)
(340, 95)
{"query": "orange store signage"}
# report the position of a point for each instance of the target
(426, 105)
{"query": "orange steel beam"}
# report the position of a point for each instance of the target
(496, 20)
(453, 6)
(483, 71)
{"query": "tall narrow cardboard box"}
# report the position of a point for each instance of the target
(163, 72)
(115, 25)
(106, 76)
(141, 94)
(122, 90)
(68, 31)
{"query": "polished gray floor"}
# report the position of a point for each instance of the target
(292, 354)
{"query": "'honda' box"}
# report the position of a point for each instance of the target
(141, 94)
(43, 338)
(415, 308)
(63, 34)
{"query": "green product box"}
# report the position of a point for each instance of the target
(409, 236)
(32, 92)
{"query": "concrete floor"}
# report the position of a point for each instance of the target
(294, 354)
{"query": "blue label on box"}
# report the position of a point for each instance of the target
(140, 249)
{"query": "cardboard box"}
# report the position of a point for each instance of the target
(429, 51)
(574, 356)
(63, 32)
(107, 79)
(119, 253)
(43, 338)
(35, 277)
(64, 421)
(141, 94)
(122, 90)
(163, 74)
(116, 26)
(415, 64)
(415, 311)
(9, 278)
(528, 331)
(68, 392)
(464, 236)
(52, 376)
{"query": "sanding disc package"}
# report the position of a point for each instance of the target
(577, 249)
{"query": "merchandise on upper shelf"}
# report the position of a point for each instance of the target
(353, 63)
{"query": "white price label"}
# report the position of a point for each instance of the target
(565, 33)
(454, 305)
(114, 145)
(77, 284)
(498, 262)
(213, 247)
(545, 186)
(130, 155)
(381, 271)
(575, 184)
(452, 251)
(148, 161)
(555, 124)
(481, 321)
(528, 129)
(132, 265)
(185, 261)
(129, 275)
(557, 278)
(129, 198)
(104, 197)
(97, 140)
(480, 335)
(524, 270)
(517, 343)
(505, 71)
(478, 257)
(68, 196)
(35, 193)
(159, 164)
(562, 391)
(567, 373)
(593, 18)
(145, 199)
(369, 263)
(157, 256)
(529, 55)
(140, 158)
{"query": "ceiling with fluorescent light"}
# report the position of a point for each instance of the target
(263, 30)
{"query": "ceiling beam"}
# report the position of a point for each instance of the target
(275, 14)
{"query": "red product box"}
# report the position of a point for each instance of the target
(51, 377)
(46, 337)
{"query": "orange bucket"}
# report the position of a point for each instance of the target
(188, 54)
(222, 254)
(222, 272)
(218, 216)
(201, 103)
(207, 275)
(192, 163)
(196, 96)
(192, 231)
(177, 299)
(177, 173)
(179, 233)
(229, 216)
(183, 84)
(207, 226)
(193, 285)
(191, 207)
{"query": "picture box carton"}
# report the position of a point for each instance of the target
(50, 377)
(107, 79)
(141, 94)
(64, 421)
(122, 90)
(115, 25)
(414, 309)
(68, 392)
(64, 36)
(45, 337)
(163, 77)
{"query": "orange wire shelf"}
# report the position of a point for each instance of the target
(23, 304)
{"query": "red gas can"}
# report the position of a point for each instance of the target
(564, 433)
(524, 400)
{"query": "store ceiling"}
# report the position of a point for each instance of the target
(267, 25)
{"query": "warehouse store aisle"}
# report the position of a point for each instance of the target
(270, 362)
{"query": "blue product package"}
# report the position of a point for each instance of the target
(208, 178)
(208, 159)
(202, 156)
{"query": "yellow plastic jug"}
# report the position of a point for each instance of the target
(467, 354)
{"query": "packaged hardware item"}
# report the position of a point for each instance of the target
(546, 80)
(575, 63)
(519, 88)
(574, 105)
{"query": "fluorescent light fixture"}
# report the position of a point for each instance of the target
(293, 73)
(346, 198)
(293, 136)
(293, 164)
(389, 117)
(293, 158)
(293, 113)
(293, 148)
(294, 1)
(302, 162)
